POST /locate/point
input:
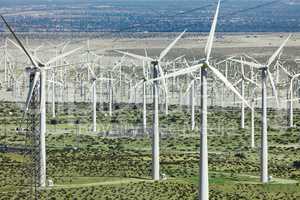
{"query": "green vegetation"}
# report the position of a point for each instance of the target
(84, 165)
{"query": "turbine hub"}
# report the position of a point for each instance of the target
(155, 63)
(265, 67)
(206, 64)
(29, 70)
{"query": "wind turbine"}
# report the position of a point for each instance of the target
(291, 100)
(5, 61)
(142, 82)
(94, 80)
(253, 103)
(264, 135)
(156, 71)
(166, 94)
(37, 72)
(289, 93)
(157, 62)
(9, 76)
(54, 75)
(118, 69)
(253, 120)
(204, 66)
(243, 80)
(110, 93)
(191, 90)
(226, 76)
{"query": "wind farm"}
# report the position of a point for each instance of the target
(150, 115)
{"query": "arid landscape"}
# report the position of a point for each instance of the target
(143, 100)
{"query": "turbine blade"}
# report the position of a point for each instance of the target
(91, 70)
(272, 58)
(236, 83)
(189, 87)
(62, 56)
(55, 82)
(163, 80)
(65, 65)
(242, 68)
(178, 58)
(33, 57)
(65, 46)
(96, 55)
(285, 70)
(211, 36)
(294, 99)
(119, 63)
(139, 83)
(291, 82)
(227, 84)
(105, 79)
(251, 58)
(38, 48)
(166, 50)
(179, 72)
(259, 98)
(251, 81)
(273, 86)
(31, 89)
(186, 63)
(142, 58)
(33, 62)
(225, 60)
(91, 88)
(251, 64)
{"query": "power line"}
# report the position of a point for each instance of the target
(236, 12)
(162, 16)
(253, 8)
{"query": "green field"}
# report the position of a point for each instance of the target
(84, 165)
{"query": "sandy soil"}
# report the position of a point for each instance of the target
(258, 45)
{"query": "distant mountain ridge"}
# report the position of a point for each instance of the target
(151, 15)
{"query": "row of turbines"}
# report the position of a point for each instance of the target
(123, 81)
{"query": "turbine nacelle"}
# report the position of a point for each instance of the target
(93, 79)
(30, 70)
(206, 64)
(154, 63)
(264, 67)
(145, 79)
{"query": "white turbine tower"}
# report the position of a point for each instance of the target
(291, 100)
(38, 73)
(5, 61)
(242, 81)
(53, 78)
(191, 91)
(254, 101)
(203, 185)
(143, 83)
(156, 63)
(264, 135)
(94, 79)
(118, 69)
